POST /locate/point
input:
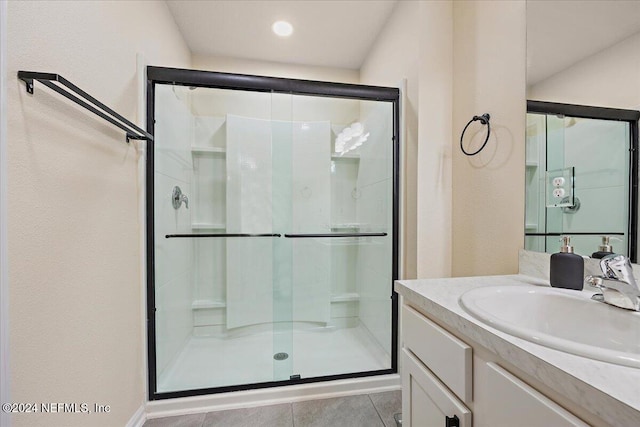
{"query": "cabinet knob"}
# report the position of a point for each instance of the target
(451, 421)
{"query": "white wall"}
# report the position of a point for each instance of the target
(488, 189)
(416, 44)
(394, 57)
(607, 79)
(461, 59)
(4, 263)
(73, 206)
(435, 208)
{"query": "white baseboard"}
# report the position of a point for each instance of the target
(272, 396)
(138, 418)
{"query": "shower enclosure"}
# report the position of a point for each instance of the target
(272, 217)
(581, 177)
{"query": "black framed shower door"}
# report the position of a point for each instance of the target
(275, 235)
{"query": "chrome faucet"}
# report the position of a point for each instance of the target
(617, 283)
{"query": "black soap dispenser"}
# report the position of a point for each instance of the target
(567, 268)
(604, 249)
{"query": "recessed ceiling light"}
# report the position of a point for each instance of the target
(282, 28)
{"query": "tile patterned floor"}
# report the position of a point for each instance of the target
(367, 410)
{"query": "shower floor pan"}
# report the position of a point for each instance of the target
(207, 362)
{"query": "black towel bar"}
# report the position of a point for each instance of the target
(320, 236)
(82, 98)
(200, 235)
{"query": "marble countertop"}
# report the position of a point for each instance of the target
(609, 391)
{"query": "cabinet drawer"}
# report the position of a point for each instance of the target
(516, 403)
(426, 402)
(445, 355)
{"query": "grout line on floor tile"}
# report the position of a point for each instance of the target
(293, 420)
(377, 412)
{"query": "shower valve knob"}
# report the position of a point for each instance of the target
(178, 197)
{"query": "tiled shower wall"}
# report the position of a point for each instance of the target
(212, 110)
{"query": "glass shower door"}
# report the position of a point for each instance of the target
(332, 198)
(220, 292)
(282, 140)
(274, 262)
(340, 235)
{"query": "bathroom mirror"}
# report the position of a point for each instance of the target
(583, 92)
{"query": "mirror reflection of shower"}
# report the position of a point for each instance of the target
(577, 181)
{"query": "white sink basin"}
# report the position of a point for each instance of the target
(562, 319)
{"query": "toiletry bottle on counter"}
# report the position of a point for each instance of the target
(567, 268)
(604, 249)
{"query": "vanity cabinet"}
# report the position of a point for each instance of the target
(444, 381)
(508, 401)
(426, 401)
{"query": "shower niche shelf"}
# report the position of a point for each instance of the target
(203, 304)
(346, 297)
(352, 157)
(208, 150)
(209, 180)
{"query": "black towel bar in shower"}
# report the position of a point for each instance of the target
(173, 236)
(290, 236)
(82, 98)
(313, 236)
(575, 233)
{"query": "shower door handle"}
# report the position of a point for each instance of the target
(199, 235)
(317, 236)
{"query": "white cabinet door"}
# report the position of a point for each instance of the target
(447, 357)
(510, 402)
(426, 401)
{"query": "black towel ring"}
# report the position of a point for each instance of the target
(484, 119)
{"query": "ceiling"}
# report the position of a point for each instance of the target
(340, 33)
(561, 33)
(336, 33)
